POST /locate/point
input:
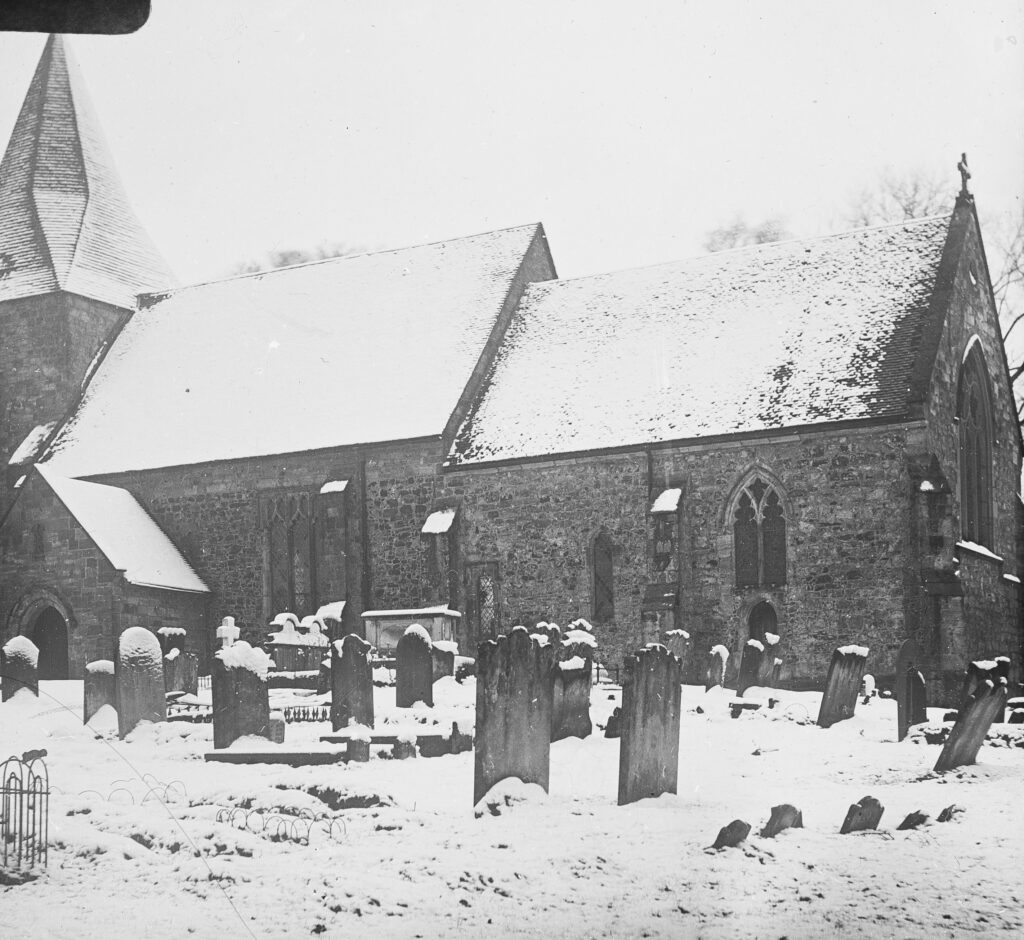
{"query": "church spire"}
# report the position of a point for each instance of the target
(65, 223)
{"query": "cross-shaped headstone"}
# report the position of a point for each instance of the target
(965, 174)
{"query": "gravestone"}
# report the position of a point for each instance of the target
(171, 638)
(19, 667)
(99, 688)
(570, 703)
(614, 727)
(351, 683)
(972, 724)
(784, 816)
(715, 671)
(514, 690)
(323, 679)
(679, 644)
(732, 835)
(750, 665)
(227, 632)
(414, 681)
(842, 685)
(240, 696)
(913, 820)
(980, 670)
(443, 658)
(766, 676)
(649, 742)
(915, 712)
(908, 661)
(276, 727)
(776, 673)
(181, 672)
(863, 815)
(139, 679)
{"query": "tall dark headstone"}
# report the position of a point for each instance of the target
(414, 681)
(842, 685)
(766, 676)
(916, 712)
(680, 645)
(750, 665)
(514, 690)
(351, 683)
(171, 638)
(99, 688)
(19, 667)
(570, 702)
(139, 679)
(714, 674)
(241, 704)
(443, 658)
(649, 745)
(181, 672)
(968, 734)
(908, 660)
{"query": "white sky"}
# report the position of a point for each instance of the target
(629, 129)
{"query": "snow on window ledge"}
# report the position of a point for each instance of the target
(979, 550)
(667, 501)
(1012, 578)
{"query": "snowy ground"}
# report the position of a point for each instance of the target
(413, 861)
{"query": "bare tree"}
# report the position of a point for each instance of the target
(1008, 288)
(283, 257)
(739, 233)
(898, 196)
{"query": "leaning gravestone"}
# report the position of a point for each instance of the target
(750, 665)
(649, 743)
(715, 671)
(351, 683)
(972, 725)
(863, 815)
(415, 667)
(784, 816)
(679, 644)
(908, 661)
(139, 679)
(19, 667)
(980, 670)
(240, 698)
(181, 672)
(514, 690)
(842, 685)
(99, 688)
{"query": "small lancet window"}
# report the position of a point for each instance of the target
(759, 536)
(975, 418)
(604, 572)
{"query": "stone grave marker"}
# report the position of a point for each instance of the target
(614, 727)
(863, 815)
(715, 671)
(19, 667)
(171, 638)
(443, 658)
(908, 661)
(351, 683)
(842, 685)
(913, 820)
(514, 690)
(784, 816)
(649, 742)
(139, 679)
(776, 673)
(980, 670)
(679, 644)
(732, 835)
(181, 672)
(99, 688)
(414, 681)
(972, 724)
(766, 676)
(227, 632)
(750, 665)
(240, 695)
(276, 727)
(916, 710)
(570, 703)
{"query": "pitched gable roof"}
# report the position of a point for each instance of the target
(125, 533)
(786, 334)
(351, 350)
(65, 223)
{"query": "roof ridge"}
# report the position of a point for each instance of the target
(151, 297)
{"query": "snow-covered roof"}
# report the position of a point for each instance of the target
(65, 222)
(351, 350)
(29, 448)
(777, 335)
(125, 533)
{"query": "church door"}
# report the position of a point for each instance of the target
(762, 620)
(50, 635)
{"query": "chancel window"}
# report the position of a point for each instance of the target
(759, 536)
(975, 417)
(603, 565)
(288, 520)
(482, 600)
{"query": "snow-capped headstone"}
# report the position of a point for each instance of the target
(139, 679)
(842, 685)
(908, 662)
(570, 702)
(241, 704)
(863, 815)
(766, 674)
(776, 674)
(181, 672)
(19, 667)
(714, 673)
(972, 724)
(679, 644)
(514, 689)
(732, 835)
(414, 680)
(98, 688)
(980, 670)
(351, 683)
(750, 665)
(915, 711)
(442, 655)
(227, 632)
(649, 743)
(784, 816)
(171, 638)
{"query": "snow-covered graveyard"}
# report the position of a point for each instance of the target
(152, 827)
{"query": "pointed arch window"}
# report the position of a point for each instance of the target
(974, 413)
(288, 520)
(759, 536)
(602, 561)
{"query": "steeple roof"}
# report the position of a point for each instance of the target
(65, 222)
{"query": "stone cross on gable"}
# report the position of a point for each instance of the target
(965, 174)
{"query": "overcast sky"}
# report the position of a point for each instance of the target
(628, 129)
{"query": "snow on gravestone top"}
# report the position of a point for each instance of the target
(141, 646)
(757, 644)
(100, 667)
(771, 638)
(447, 646)
(984, 665)
(419, 631)
(171, 631)
(243, 656)
(719, 650)
(286, 621)
(574, 662)
(579, 636)
(853, 650)
(22, 649)
(358, 732)
(677, 632)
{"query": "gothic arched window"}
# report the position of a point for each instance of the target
(288, 521)
(603, 571)
(974, 412)
(759, 536)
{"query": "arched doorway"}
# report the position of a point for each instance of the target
(762, 620)
(49, 632)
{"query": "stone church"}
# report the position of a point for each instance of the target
(814, 438)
